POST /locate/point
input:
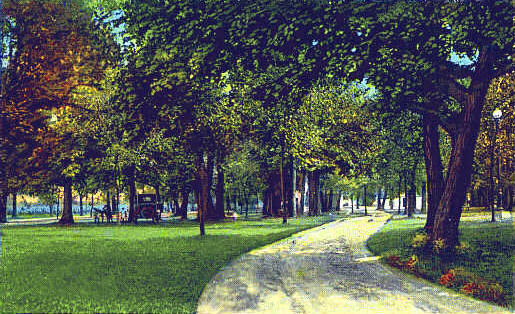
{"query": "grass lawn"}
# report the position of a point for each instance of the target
(26, 216)
(110, 268)
(489, 254)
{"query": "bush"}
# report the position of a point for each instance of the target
(471, 284)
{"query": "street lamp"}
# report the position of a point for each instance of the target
(497, 114)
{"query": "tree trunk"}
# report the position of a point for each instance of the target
(330, 200)
(424, 206)
(313, 187)
(228, 202)
(459, 170)
(379, 203)
(219, 212)
(357, 200)
(365, 198)
(202, 178)
(283, 198)
(132, 195)
(301, 183)
(352, 203)
(412, 192)
(400, 200)
(434, 168)
(108, 201)
(3, 205)
(183, 211)
(81, 212)
(14, 204)
(175, 207)
(273, 193)
(289, 185)
(339, 201)
(91, 209)
(67, 214)
(385, 195)
(405, 201)
(323, 201)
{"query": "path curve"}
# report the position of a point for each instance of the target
(327, 270)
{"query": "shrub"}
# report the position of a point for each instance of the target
(448, 279)
(492, 292)
(438, 246)
(462, 248)
(473, 285)
(419, 241)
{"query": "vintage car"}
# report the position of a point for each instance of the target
(147, 207)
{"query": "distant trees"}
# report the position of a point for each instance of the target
(274, 82)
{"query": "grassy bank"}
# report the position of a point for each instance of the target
(486, 254)
(110, 268)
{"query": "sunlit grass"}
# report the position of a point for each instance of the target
(112, 268)
(490, 255)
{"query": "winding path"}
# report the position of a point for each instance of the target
(327, 270)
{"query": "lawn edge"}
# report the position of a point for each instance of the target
(425, 281)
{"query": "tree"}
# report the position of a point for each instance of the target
(332, 130)
(407, 51)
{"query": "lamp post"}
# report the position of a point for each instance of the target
(497, 114)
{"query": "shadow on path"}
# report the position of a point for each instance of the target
(327, 270)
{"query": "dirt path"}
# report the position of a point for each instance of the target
(326, 270)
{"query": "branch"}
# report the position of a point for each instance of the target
(458, 91)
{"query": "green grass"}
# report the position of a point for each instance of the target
(26, 216)
(110, 268)
(490, 255)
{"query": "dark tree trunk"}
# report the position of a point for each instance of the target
(203, 187)
(357, 200)
(109, 207)
(379, 203)
(434, 169)
(313, 188)
(196, 192)
(460, 168)
(114, 205)
(91, 209)
(175, 207)
(323, 201)
(352, 203)
(81, 209)
(132, 195)
(301, 183)
(330, 200)
(423, 209)
(400, 200)
(339, 201)
(405, 201)
(289, 185)
(3, 205)
(228, 202)
(219, 212)
(158, 194)
(365, 199)
(183, 210)
(283, 194)
(67, 214)
(14, 204)
(273, 193)
(266, 202)
(412, 192)
(385, 195)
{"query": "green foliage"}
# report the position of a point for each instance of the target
(488, 256)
